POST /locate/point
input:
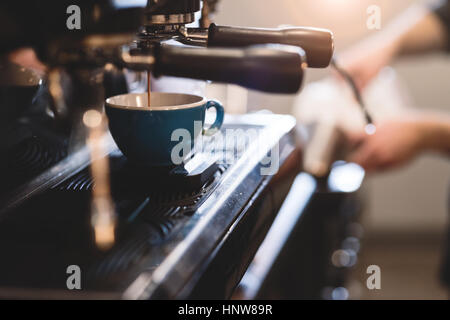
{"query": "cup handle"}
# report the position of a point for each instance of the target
(220, 112)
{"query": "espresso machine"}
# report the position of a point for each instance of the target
(175, 232)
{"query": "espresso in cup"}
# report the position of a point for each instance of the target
(150, 136)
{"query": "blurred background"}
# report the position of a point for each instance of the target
(406, 215)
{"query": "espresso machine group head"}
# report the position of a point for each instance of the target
(270, 60)
(168, 19)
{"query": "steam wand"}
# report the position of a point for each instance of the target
(370, 127)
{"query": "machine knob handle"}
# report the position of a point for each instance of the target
(317, 43)
(275, 69)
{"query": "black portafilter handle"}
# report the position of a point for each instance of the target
(271, 68)
(317, 43)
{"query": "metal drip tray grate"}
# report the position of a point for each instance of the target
(79, 183)
(145, 220)
(29, 158)
(61, 233)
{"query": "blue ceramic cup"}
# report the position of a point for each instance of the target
(150, 136)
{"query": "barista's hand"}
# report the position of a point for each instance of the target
(365, 60)
(393, 144)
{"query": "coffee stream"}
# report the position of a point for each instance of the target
(148, 88)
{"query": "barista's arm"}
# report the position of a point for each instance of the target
(429, 32)
(399, 141)
(418, 30)
(435, 130)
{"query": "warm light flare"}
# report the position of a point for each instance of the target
(92, 118)
(103, 222)
(103, 218)
(104, 236)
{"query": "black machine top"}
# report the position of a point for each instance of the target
(169, 222)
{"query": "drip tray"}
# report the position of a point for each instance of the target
(29, 158)
(129, 179)
(149, 214)
(192, 175)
